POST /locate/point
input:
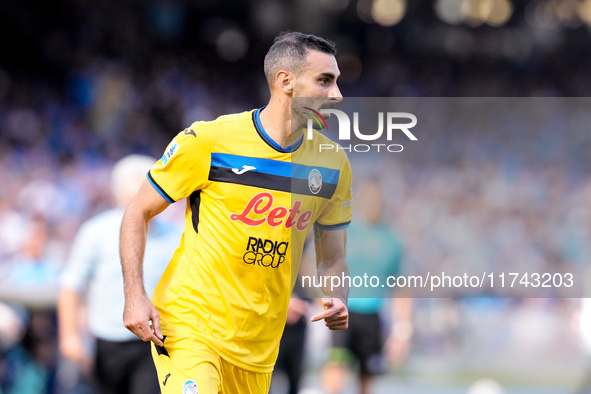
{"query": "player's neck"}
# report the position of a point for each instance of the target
(276, 120)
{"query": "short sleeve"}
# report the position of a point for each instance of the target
(339, 211)
(184, 166)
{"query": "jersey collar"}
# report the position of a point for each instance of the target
(263, 134)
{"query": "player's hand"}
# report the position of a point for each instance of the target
(397, 350)
(71, 348)
(141, 318)
(335, 314)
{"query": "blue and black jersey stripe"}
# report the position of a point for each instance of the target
(160, 191)
(337, 226)
(271, 174)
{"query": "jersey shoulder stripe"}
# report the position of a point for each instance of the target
(160, 190)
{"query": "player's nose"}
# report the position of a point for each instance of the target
(335, 95)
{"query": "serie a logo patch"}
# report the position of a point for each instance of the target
(173, 148)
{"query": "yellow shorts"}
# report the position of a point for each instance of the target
(188, 366)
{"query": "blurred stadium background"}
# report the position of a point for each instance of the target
(84, 83)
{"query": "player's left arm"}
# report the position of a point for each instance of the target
(331, 262)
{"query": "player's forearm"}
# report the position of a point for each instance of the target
(403, 308)
(67, 309)
(331, 262)
(402, 324)
(338, 268)
(134, 233)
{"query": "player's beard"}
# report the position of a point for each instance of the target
(301, 105)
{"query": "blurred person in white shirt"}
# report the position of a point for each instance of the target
(93, 279)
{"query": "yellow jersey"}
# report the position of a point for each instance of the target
(250, 205)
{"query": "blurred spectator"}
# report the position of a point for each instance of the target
(122, 363)
(32, 268)
(584, 330)
(27, 351)
(372, 250)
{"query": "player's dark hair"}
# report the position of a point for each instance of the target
(289, 50)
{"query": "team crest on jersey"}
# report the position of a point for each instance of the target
(171, 151)
(190, 387)
(315, 181)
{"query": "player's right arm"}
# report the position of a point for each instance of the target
(183, 168)
(139, 316)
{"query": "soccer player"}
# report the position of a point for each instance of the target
(254, 187)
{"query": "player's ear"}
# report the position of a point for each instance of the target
(285, 81)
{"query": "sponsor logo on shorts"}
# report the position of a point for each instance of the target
(190, 387)
(264, 252)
